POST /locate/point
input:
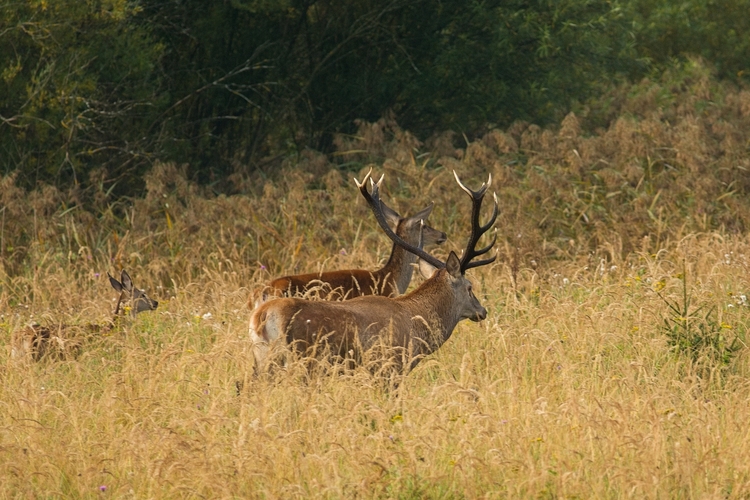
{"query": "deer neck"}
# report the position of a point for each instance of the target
(398, 270)
(125, 309)
(434, 312)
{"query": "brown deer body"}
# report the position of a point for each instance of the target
(391, 280)
(62, 341)
(411, 326)
(408, 327)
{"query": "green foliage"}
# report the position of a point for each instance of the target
(232, 87)
(696, 333)
(715, 30)
(481, 62)
(77, 88)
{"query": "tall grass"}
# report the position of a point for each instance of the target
(570, 388)
(567, 390)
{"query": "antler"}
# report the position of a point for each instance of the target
(375, 205)
(477, 230)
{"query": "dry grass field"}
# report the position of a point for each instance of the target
(590, 378)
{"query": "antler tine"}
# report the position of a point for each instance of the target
(489, 224)
(375, 205)
(477, 229)
(364, 181)
(479, 192)
(483, 251)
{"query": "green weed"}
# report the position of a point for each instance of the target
(696, 333)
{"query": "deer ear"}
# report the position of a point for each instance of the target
(424, 213)
(426, 269)
(115, 284)
(390, 215)
(127, 283)
(453, 265)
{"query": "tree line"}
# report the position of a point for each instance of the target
(95, 92)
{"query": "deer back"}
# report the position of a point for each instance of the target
(390, 280)
(340, 328)
(61, 341)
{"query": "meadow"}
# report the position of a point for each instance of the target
(613, 362)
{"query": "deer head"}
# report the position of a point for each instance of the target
(414, 226)
(133, 300)
(464, 303)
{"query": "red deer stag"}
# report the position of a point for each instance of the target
(391, 280)
(409, 327)
(63, 340)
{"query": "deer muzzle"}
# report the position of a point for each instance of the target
(481, 315)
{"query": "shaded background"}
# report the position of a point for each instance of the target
(93, 93)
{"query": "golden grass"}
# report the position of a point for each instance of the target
(568, 389)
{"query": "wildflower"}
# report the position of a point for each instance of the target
(659, 286)
(103, 488)
(206, 316)
(726, 326)
(342, 251)
(262, 267)
(96, 275)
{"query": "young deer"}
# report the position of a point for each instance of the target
(408, 327)
(63, 340)
(391, 280)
